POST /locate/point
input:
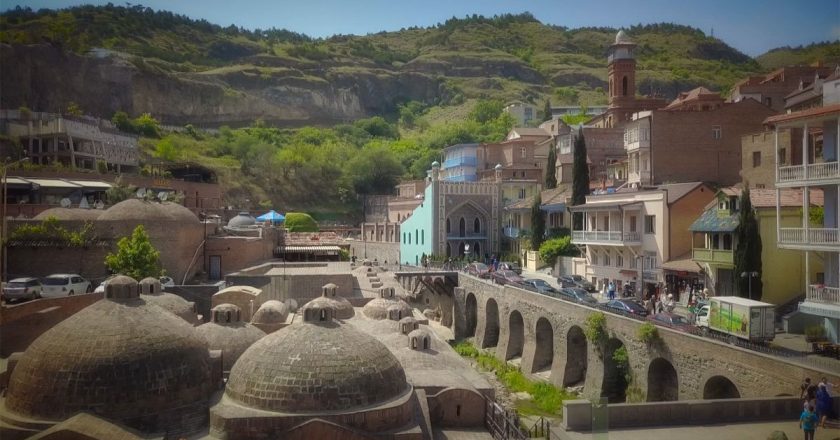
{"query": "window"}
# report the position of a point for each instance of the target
(716, 131)
(422, 236)
(782, 156)
(521, 193)
(607, 259)
(404, 242)
(633, 223)
(650, 261)
(594, 259)
(619, 260)
(650, 224)
(632, 262)
(523, 152)
(756, 157)
(476, 226)
(624, 86)
(768, 102)
(447, 226)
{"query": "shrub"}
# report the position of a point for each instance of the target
(647, 333)
(557, 247)
(815, 333)
(135, 257)
(50, 229)
(300, 222)
(596, 327)
(101, 167)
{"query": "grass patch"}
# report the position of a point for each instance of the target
(546, 399)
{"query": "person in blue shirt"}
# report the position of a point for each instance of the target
(824, 404)
(808, 422)
(611, 290)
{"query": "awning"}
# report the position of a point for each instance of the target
(92, 184)
(683, 263)
(17, 182)
(315, 250)
(54, 183)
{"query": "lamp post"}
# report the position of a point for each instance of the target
(3, 236)
(467, 252)
(749, 276)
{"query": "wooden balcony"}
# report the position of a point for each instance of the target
(714, 256)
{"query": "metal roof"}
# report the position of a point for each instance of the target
(712, 220)
(92, 183)
(320, 250)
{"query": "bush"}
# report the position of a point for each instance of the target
(647, 333)
(135, 257)
(557, 247)
(815, 333)
(50, 229)
(300, 222)
(596, 327)
(101, 167)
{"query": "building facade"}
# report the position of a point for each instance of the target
(523, 114)
(772, 88)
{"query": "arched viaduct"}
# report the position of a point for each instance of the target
(548, 334)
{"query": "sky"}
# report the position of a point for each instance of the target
(751, 26)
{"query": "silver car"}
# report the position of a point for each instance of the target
(22, 288)
(62, 284)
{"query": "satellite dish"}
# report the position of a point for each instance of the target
(141, 193)
(65, 202)
(163, 195)
(84, 204)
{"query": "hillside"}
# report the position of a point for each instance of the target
(828, 52)
(138, 60)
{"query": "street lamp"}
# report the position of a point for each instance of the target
(3, 236)
(749, 276)
(467, 252)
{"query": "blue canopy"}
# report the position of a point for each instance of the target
(272, 216)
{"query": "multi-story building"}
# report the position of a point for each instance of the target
(628, 234)
(809, 92)
(460, 163)
(516, 217)
(621, 76)
(409, 196)
(715, 240)
(758, 156)
(455, 219)
(604, 147)
(523, 114)
(816, 234)
(772, 88)
(695, 138)
(75, 142)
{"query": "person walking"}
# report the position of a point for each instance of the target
(611, 290)
(808, 422)
(823, 404)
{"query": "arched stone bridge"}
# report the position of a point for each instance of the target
(547, 335)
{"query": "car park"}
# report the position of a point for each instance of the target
(22, 289)
(63, 284)
(626, 307)
(576, 281)
(578, 295)
(540, 286)
(506, 265)
(505, 277)
(478, 269)
(672, 320)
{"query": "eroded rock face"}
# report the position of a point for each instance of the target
(47, 78)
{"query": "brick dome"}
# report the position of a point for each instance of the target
(152, 292)
(228, 333)
(271, 312)
(329, 298)
(121, 358)
(384, 308)
(316, 366)
(69, 214)
(136, 210)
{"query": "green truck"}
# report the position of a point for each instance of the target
(742, 318)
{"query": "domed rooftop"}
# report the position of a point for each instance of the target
(435, 164)
(120, 358)
(136, 210)
(314, 366)
(70, 214)
(271, 312)
(242, 220)
(387, 306)
(227, 333)
(622, 38)
(174, 304)
(329, 298)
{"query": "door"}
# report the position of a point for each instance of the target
(215, 267)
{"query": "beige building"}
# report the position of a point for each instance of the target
(523, 114)
(630, 234)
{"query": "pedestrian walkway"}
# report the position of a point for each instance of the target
(745, 431)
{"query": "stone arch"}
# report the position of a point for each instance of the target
(544, 348)
(471, 314)
(663, 383)
(491, 324)
(476, 225)
(516, 335)
(462, 227)
(476, 251)
(461, 249)
(448, 226)
(616, 370)
(576, 357)
(720, 387)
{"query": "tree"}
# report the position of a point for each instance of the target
(118, 192)
(374, 170)
(748, 250)
(486, 110)
(580, 178)
(135, 257)
(146, 125)
(122, 122)
(300, 222)
(557, 247)
(537, 224)
(73, 109)
(547, 110)
(551, 168)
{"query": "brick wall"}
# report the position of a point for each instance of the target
(382, 251)
(763, 143)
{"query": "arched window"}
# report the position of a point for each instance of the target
(414, 342)
(624, 86)
(425, 343)
(227, 316)
(462, 227)
(323, 315)
(447, 226)
(477, 225)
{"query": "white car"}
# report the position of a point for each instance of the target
(22, 288)
(62, 284)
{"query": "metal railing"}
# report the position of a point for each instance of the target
(823, 294)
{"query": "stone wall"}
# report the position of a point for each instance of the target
(547, 334)
(39, 262)
(23, 323)
(389, 252)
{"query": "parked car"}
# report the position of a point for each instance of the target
(507, 265)
(701, 317)
(672, 320)
(62, 284)
(627, 307)
(578, 295)
(478, 269)
(504, 277)
(22, 288)
(541, 286)
(576, 281)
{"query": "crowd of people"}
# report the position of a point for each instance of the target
(817, 405)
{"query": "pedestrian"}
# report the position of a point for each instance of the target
(823, 404)
(611, 290)
(671, 304)
(803, 389)
(808, 422)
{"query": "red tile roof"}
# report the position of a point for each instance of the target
(804, 114)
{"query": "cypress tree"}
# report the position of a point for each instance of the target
(748, 250)
(547, 110)
(537, 223)
(550, 169)
(580, 171)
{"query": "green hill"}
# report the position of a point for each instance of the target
(827, 52)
